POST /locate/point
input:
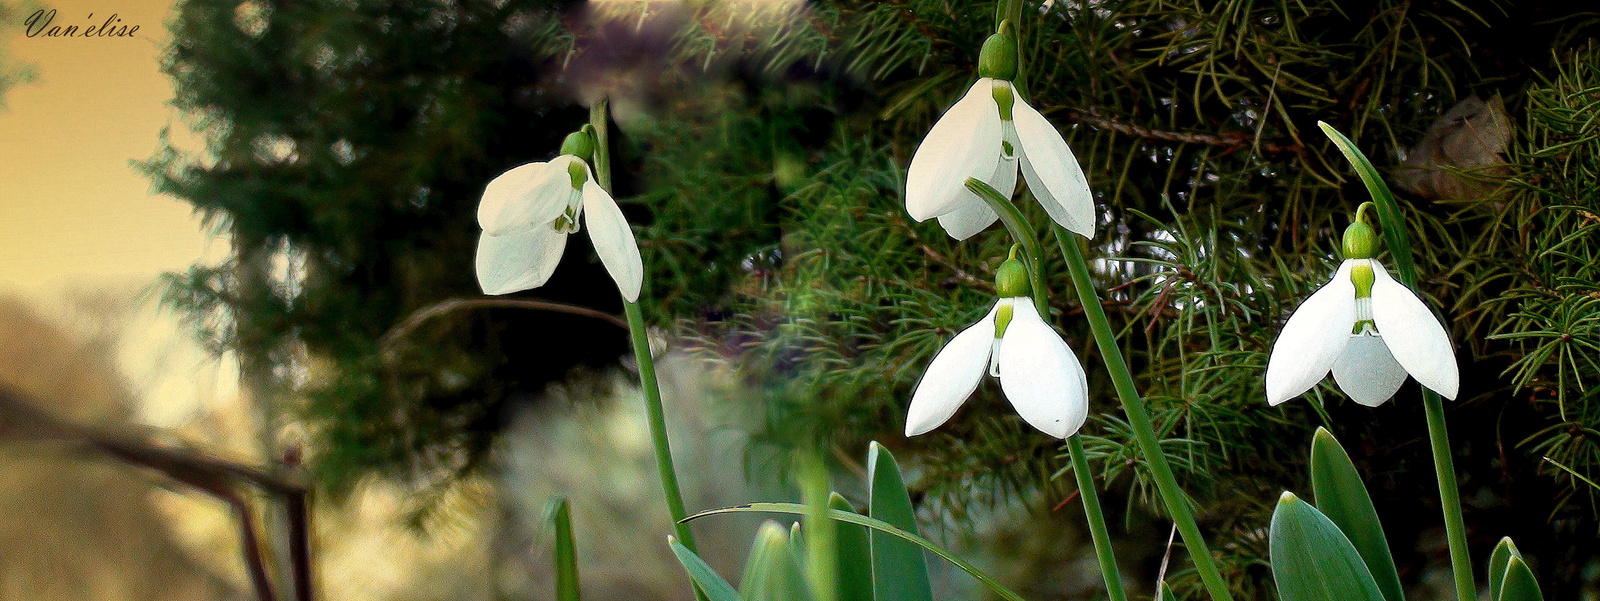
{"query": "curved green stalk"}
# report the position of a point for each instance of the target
(1022, 232)
(1138, 417)
(1394, 235)
(647, 366)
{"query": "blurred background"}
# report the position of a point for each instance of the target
(239, 311)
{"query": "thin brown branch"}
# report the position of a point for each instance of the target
(23, 420)
(1229, 141)
(411, 322)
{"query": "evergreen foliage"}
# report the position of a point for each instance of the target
(762, 158)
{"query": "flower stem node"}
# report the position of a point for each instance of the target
(1038, 373)
(998, 58)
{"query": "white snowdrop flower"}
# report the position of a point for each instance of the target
(528, 212)
(1369, 329)
(989, 135)
(1038, 373)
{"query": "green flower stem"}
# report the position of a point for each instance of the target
(647, 365)
(1022, 232)
(1176, 502)
(1097, 519)
(1394, 235)
(658, 425)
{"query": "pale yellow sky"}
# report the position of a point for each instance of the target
(77, 218)
(76, 212)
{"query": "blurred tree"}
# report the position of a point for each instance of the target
(761, 158)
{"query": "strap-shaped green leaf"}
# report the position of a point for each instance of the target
(1312, 560)
(772, 572)
(877, 526)
(566, 554)
(712, 584)
(1498, 560)
(1342, 497)
(855, 547)
(1519, 584)
(899, 573)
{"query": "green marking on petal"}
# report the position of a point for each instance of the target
(579, 172)
(1002, 318)
(1005, 98)
(1361, 275)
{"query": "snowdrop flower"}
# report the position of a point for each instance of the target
(1368, 328)
(1038, 373)
(528, 212)
(988, 135)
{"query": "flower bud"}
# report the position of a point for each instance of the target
(998, 58)
(1011, 279)
(579, 144)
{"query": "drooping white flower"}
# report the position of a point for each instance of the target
(1038, 373)
(1371, 331)
(989, 135)
(528, 212)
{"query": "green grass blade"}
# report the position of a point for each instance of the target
(707, 579)
(899, 573)
(854, 550)
(566, 554)
(1342, 497)
(877, 526)
(1498, 560)
(1312, 560)
(1519, 584)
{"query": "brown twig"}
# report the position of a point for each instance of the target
(411, 322)
(20, 419)
(1230, 141)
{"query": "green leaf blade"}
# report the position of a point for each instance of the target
(1519, 584)
(566, 554)
(1341, 496)
(711, 583)
(854, 544)
(899, 572)
(1498, 560)
(773, 570)
(1312, 560)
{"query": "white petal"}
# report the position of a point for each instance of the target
(613, 240)
(1415, 337)
(951, 376)
(1041, 376)
(524, 196)
(1313, 338)
(1367, 372)
(975, 215)
(965, 143)
(519, 260)
(1052, 172)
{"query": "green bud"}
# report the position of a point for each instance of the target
(1011, 279)
(1361, 275)
(579, 144)
(998, 58)
(579, 171)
